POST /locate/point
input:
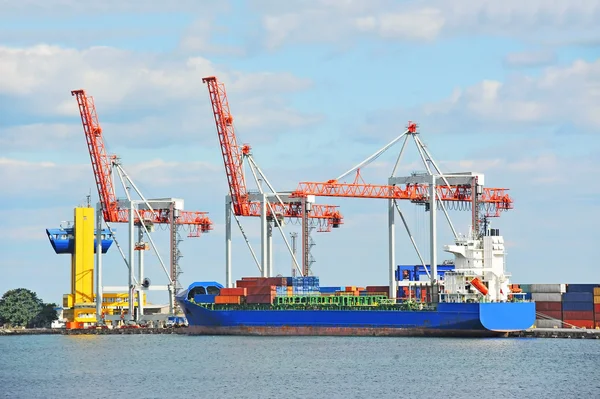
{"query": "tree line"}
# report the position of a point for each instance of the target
(22, 308)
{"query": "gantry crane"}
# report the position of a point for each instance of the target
(273, 206)
(142, 213)
(433, 189)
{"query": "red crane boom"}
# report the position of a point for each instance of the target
(102, 164)
(232, 158)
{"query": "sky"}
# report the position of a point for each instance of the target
(509, 89)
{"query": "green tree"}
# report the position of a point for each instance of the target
(45, 316)
(22, 308)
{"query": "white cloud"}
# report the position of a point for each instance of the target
(19, 178)
(560, 96)
(530, 58)
(198, 38)
(331, 21)
(36, 136)
(73, 7)
(153, 97)
(417, 24)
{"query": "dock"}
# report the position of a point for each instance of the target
(530, 333)
(557, 333)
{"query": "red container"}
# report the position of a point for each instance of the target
(378, 288)
(578, 315)
(579, 323)
(250, 278)
(261, 290)
(260, 298)
(555, 314)
(597, 308)
(543, 306)
(233, 291)
(245, 283)
(276, 281)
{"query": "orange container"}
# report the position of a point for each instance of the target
(228, 299)
(350, 288)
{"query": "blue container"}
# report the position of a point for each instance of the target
(581, 287)
(329, 290)
(199, 298)
(578, 297)
(577, 306)
(528, 295)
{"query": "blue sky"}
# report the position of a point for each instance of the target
(510, 89)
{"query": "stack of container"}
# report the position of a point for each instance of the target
(231, 296)
(261, 289)
(548, 303)
(308, 285)
(578, 305)
(597, 306)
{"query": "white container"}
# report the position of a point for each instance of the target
(546, 297)
(548, 288)
(548, 324)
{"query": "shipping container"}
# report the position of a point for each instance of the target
(228, 299)
(597, 308)
(555, 314)
(578, 315)
(350, 288)
(577, 306)
(378, 288)
(276, 281)
(578, 297)
(597, 291)
(548, 323)
(261, 290)
(547, 288)
(597, 299)
(547, 297)
(245, 283)
(233, 291)
(331, 290)
(581, 287)
(541, 306)
(199, 298)
(579, 323)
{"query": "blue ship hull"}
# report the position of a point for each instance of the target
(450, 319)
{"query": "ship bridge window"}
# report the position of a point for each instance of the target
(212, 290)
(196, 291)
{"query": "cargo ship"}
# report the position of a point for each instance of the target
(472, 299)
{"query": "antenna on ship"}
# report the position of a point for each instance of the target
(294, 236)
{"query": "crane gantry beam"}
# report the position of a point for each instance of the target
(417, 193)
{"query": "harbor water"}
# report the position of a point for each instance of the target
(159, 366)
